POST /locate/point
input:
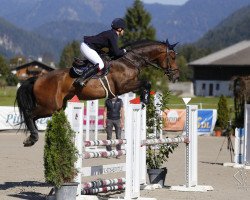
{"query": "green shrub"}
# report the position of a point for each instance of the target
(60, 153)
(223, 116)
(156, 155)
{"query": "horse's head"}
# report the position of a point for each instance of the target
(154, 53)
(167, 61)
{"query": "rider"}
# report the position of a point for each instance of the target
(93, 44)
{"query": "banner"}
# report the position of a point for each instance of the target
(174, 119)
(206, 121)
(10, 119)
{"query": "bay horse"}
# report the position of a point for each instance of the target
(40, 97)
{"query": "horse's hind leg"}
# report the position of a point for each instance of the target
(38, 113)
(33, 138)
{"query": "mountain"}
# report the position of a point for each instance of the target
(68, 30)
(185, 23)
(189, 22)
(233, 29)
(45, 27)
(16, 41)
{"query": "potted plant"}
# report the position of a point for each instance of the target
(156, 155)
(217, 131)
(60, 155)
(223, 116)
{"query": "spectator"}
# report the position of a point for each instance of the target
(113, 117)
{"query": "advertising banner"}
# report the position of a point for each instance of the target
(206, 121)
(10, 119)
(174, 120)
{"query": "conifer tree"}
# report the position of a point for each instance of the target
(222, 113)
(138, 24)
(69, 52)
(139, 28)
(4, 68)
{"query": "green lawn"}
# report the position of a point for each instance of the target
(7, 98)
(202, 102)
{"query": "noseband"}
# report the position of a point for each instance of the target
(169, 71)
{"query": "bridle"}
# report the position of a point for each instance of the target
(167, 71)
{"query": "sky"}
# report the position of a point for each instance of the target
(172, 2)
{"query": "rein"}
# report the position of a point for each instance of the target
(145, 60)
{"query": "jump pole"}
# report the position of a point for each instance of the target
(191, 164)
(75, 113)
(242, 144)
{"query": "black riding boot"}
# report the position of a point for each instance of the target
(91, 71)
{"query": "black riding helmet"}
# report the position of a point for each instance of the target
(118, 23)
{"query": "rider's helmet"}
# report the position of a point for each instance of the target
(118, 23)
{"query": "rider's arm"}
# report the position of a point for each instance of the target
(114, 46)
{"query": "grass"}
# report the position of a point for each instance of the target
(8, 94)
(202, 102)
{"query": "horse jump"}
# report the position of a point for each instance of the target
(131, 190)
(134, 158)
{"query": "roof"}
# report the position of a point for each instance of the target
(44, 66)
(237, 54)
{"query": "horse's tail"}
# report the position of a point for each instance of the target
(25, 100)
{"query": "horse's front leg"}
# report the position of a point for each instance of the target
(145, 92)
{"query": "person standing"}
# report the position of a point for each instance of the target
(113, 117)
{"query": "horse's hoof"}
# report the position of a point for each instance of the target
(29, 142)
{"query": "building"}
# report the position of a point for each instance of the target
(213, 74)
(34, 68)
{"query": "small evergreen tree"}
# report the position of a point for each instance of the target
(138, 24)
(69, 52)
(4, 68)
(60, 152)
(222, 113)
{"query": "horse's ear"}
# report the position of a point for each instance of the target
(167, 43)
(173, 45)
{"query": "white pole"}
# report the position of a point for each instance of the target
(75, 113)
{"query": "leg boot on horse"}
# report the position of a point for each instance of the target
(145, 93)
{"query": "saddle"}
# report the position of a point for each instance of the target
(80, 66)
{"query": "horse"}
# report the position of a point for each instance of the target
(41, 96)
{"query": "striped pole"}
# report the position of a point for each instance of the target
(103, 189)
(103, 154)
(164, 141)
(102, 183)
(104, 142)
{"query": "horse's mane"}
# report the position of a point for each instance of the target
(142, 43)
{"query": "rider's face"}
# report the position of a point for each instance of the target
(120, 32)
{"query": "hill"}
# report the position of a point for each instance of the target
(16, 41)
(68, 30)
(45, 27)
(230, 31)
(185, 23)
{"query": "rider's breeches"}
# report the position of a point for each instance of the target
(91, 55)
